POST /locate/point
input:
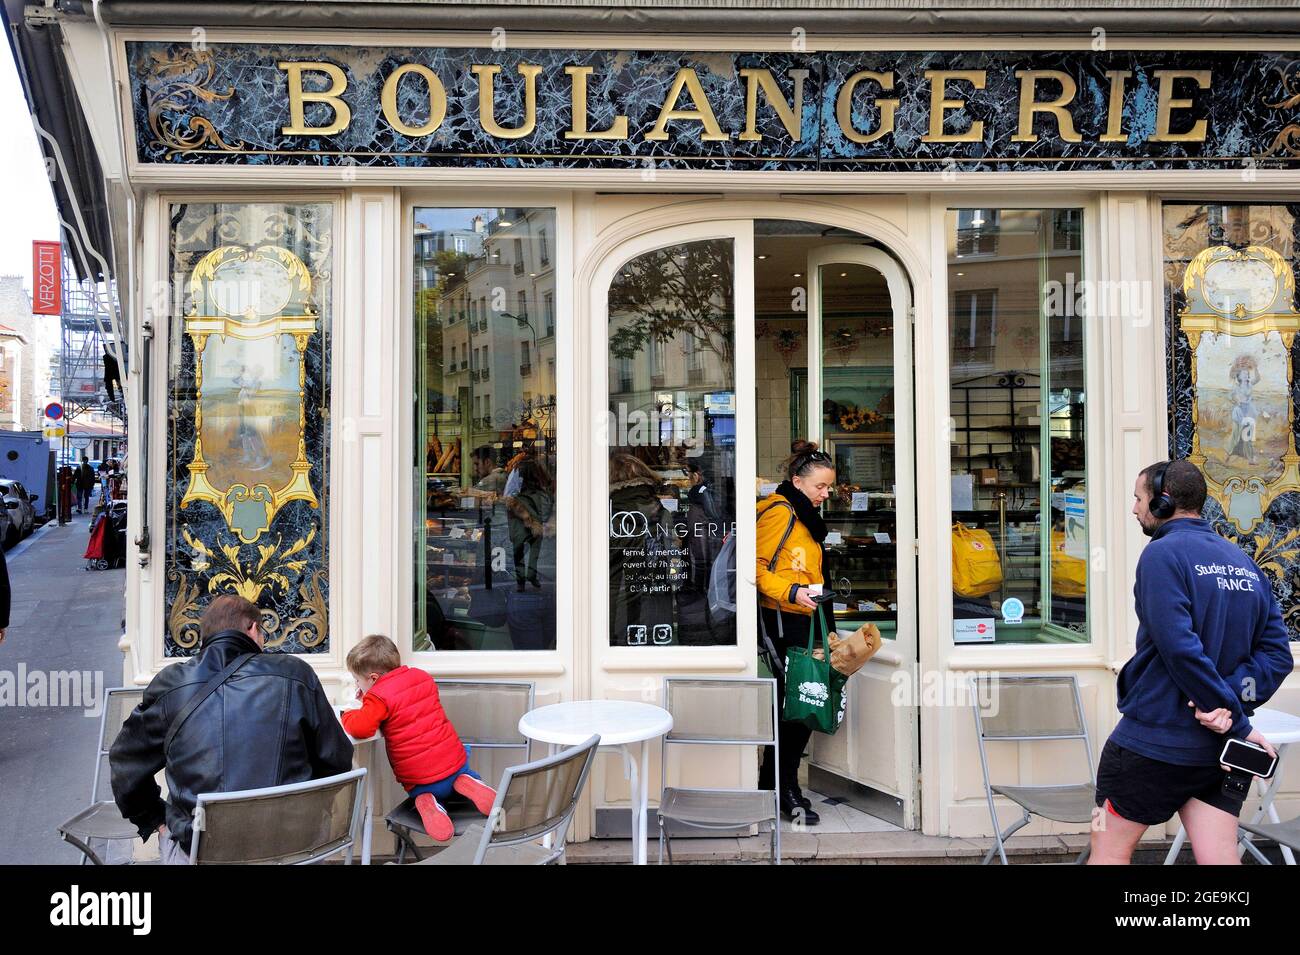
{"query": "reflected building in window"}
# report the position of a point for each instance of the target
(486, 335)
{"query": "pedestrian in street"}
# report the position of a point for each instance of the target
(85, 484)
(1211, 648)
(243, 719)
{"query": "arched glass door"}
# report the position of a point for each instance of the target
(672, 441)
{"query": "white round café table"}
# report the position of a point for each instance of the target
(1281, 729)
(620, 723)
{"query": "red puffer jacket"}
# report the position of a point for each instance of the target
(422, 744)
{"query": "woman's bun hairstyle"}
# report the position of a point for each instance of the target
(804, 456)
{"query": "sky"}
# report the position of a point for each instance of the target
(26, 202)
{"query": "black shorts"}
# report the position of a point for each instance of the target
(1149, 791)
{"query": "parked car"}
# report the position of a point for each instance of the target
(7, 534)
(19, 506)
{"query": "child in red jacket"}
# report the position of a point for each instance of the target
(427, 756)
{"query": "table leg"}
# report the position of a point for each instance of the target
(1179, 839)
(548, 840)
(642, 799)
(368, 804)
(368, 822)
(1268, 793)
(634, 790)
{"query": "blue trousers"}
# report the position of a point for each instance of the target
(442, 789)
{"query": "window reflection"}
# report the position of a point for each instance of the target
(672, 444)
(485, 427)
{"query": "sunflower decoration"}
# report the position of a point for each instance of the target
(853, 418)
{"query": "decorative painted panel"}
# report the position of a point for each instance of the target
(248, 418)
(331, 105)
(1231, 322)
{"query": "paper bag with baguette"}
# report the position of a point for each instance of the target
(848, 654)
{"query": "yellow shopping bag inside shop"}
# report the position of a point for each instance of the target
(1069, 573)
(976, 570)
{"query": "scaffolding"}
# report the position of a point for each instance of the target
(81, 363)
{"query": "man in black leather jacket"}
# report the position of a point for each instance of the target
(269, 724)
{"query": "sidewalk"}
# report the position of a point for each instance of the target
(858, 848)
(63, 618)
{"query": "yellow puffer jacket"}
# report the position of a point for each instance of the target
(798, 563)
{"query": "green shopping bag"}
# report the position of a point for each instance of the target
(814, 690)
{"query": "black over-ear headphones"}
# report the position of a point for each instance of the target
(1162, 505)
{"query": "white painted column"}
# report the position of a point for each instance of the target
(364, 493)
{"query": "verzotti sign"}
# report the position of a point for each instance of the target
(47, 278)
(301, 104)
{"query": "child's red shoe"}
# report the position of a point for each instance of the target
(476, 791)
(436, 821)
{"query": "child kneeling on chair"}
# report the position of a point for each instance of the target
(427, 756)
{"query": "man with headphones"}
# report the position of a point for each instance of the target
(1211, 648)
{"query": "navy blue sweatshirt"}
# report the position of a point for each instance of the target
(1210, 631)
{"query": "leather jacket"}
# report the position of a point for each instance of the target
(269, 724)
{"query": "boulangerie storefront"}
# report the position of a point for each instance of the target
(486, 342)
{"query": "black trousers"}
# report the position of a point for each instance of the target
(793, 737)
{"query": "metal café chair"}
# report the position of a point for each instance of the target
(1285, 834)
(535, 801)
(1034, 709)
(486, 716)
(100, 822)
(293, 824)
(719, 712)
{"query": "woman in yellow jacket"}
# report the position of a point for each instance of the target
(789, 573)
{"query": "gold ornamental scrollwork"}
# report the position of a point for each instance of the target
(1287, 141)
(246, 304)
(183, 617)
(1240, 321)
(177, 80)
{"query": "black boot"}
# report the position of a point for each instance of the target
(792, 808)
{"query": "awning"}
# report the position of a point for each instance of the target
(732, 17)
(47, 84)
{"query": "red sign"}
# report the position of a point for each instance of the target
(47, 276)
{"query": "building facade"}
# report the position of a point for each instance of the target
(487, 342)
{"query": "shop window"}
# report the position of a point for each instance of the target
(1230, 325)
(485, 490)
(672, 445)
(977, 232)
(974, 326)
(1020, 510)
(248, 503)
(1067, 230)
